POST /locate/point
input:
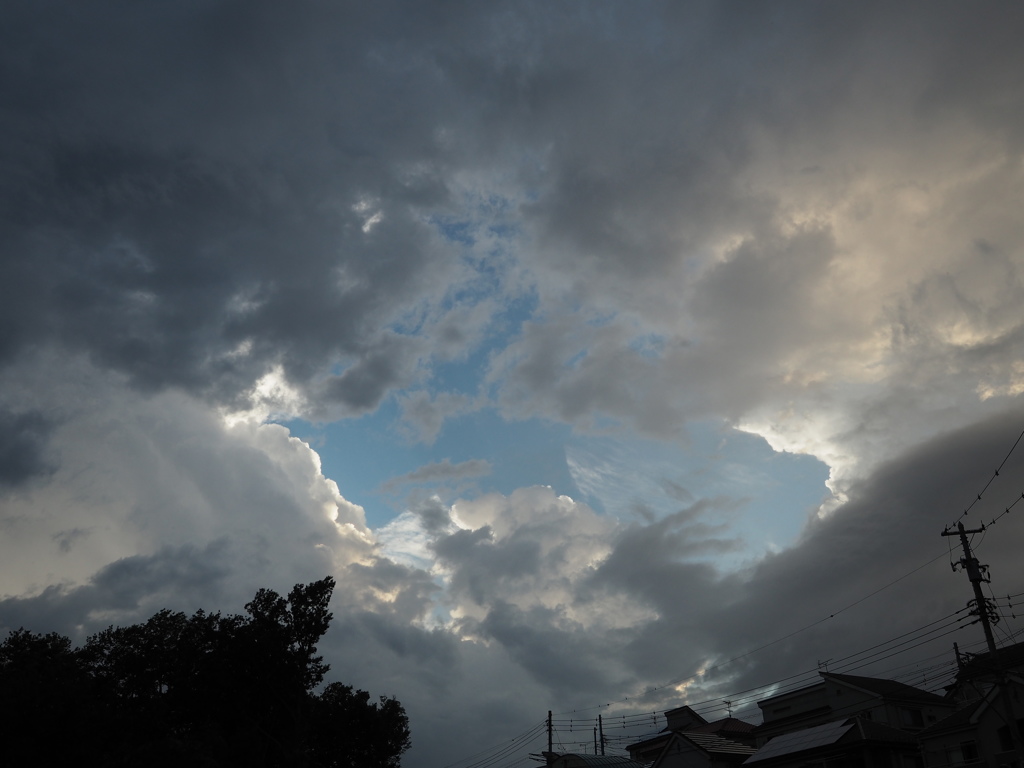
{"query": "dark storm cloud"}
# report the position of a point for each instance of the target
(434, 516)
(403, 593)
(481, 565)
(890, 528)
(565, 661)
(197, 193)
(874, 569)
(176, 576)
(184, 181)
(66, 539)
(435, 649)
(653, 559)
(23, 439)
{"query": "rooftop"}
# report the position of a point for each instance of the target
(716, 745)
(1007, 657)
(576, 760)
(854, 729)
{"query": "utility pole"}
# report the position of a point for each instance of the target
(600, 732)
(549, 731)
(976, 574)
(986, 612)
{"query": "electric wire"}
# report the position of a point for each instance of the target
(994, 476)
(888, 649)
(853, 661)
(542, 725)
(508, 751)
(725, 663)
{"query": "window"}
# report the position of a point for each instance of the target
(1005, 742)
(911, 718)
(965, 752)
(970, 751)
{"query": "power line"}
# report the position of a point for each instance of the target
(891, 648)
(990, 480)
(503, 746)
(766, 645)
(911, 640)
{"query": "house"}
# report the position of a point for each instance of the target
(978, 734)
(688, 749)
(980, 671)
(730, 732)
(839, 697)
(1009, 658)
(853, 742)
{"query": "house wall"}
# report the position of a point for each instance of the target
(682, 754)
(847, 702)
(792, 704)
(649, 750)
(977, 745)
(951, 749)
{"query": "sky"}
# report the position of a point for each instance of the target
(611, 356)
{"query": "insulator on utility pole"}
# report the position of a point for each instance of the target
(976, 573)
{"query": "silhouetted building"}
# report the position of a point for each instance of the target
(690, 740)
(838, 697)
(978, 733)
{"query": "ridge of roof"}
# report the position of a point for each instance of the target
(732, 724)
(685, 708)
(890, 689)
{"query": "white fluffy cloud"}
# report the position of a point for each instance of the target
(137, 473)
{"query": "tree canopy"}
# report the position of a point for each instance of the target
(206, 690)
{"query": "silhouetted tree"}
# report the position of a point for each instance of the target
(46, 700)
(350, 732)
(206, 690)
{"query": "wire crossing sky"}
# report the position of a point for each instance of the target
(587, 346)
